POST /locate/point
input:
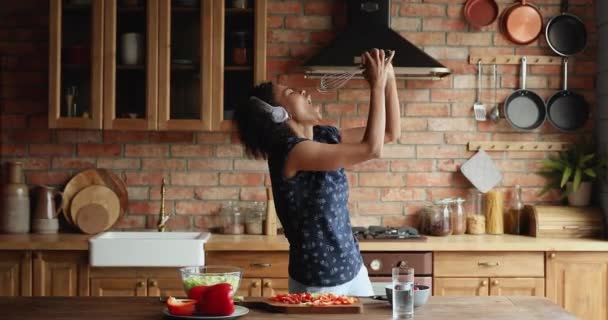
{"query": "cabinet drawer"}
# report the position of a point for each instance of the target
(254, 264)
(489, 264)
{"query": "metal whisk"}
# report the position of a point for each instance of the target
(336, 81)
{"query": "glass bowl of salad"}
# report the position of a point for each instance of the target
(211, 275)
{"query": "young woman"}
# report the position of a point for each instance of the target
(306, 162)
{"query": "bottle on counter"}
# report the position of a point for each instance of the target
(476, 219)
(494, 212)
(459, 225)
(15, 206)
(441, 219)
(514, 213)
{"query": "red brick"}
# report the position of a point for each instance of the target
(118, 163)
(191, 150)
(125, 136)
(34, 163)
(144, 207)
(434, 179)
(421, 138)
(449, 165)
(250, 165)
(138, 193)
(284, 7)
(346, 109)
(216, 193)
(411, 165)
(8, 150)
(423, 10)
(439, 152)
(229, 151)
(353, 94)
(414, 95)
(241, 179)
(209, 164)
(488, 126)
(324, 8)
(164, 164)
(398, 151)
(532, 82)
(308, 22)
(352, 178)
(173, 193)
(212, 137)
(47, 177)
(176, 223)
(31, 136)
(322, 37)
(206, 222)
(253, 194)
(427, 109)
(443, 24)
(51, 149)
(99, 150)
(357, 122)
(531, 195)
(73, 163)
(401, 221)
(451, 95)
(405, 24)
(379, 208)
(456, 53)
(146, 150)
(144, 178)
(469, 39)
(403, 194)
(380, 180)
(277, 50)
(523, 179)
(510, 165)
(430, 38)
(413, 124)
(130, 222)
(364, 221)
(78, 136)
(364, 194)
(288, 36)
(514, 137)
(275, 22)
(12, 121)
(372, 165)
(440, 193)
(451, 124)
(197, 207)
(194, 179)
(173, 137)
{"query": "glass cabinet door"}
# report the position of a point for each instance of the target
(131, 64)
(185, 64)
(75, 66)
(240, 49)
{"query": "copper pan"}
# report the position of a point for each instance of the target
(480, 13)
(522, 23)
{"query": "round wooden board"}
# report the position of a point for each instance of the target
(90, 177)
(100, 195)
(92, 218)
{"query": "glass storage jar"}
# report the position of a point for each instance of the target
(476, 219)
(254, 222)
(440, 223)
(425, 218)
(232, 220)
(459, 225)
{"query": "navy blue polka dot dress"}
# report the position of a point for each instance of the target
(313, 209)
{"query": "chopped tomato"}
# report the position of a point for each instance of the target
(181, 307)
(315, 299)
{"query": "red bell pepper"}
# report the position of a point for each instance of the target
(217, 300)
(197, 292)
(181, 307)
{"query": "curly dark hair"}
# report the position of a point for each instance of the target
(256, 130)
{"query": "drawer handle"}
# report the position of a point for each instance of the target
(140, 284)
(488, 264)
(571, 227)
(267, 284)
(153, 283)
(255, 284)
(484, 283)
(495, 282)
(260, 265)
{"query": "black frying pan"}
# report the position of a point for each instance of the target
(566, 33)
(567, 110)
(524, 109)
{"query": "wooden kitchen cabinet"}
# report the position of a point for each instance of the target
(15, 273)
(118, 287)
(460, 287)
(273, 286)
(60, 273)
(152, 282)
(164, 287)
(250, 287)
(517, 287)
(578, 282)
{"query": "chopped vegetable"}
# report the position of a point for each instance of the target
(209, 280)
(313, 299)
(181, 307)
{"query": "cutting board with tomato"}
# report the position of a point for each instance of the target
(273, 306)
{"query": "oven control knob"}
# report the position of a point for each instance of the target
(375, 265)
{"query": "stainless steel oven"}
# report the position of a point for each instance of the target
(380, 264)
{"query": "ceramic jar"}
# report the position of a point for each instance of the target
(15, 207)
(132, 48)
(44, 218)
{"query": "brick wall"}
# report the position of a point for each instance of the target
(207, 169)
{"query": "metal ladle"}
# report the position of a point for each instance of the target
(495, 113)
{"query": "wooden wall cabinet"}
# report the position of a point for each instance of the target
(578, 282)
(133, 282)
(15, 273)
(175, 83)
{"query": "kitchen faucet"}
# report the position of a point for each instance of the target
(163, 217)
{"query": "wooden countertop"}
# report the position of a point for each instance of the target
(219, 242)
(148, 308)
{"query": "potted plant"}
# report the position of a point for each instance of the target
(572, 171)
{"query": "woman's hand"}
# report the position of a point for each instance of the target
(376, 67)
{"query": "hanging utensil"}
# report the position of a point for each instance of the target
(495, 113)
(567, 110)
(481, 13)
(566, 34)
(479, 108)
(524, 109)
(522, 22)
(336, 81)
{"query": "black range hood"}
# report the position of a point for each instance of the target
(369, 27)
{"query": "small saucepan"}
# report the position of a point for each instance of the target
(567, 110)
(480, 13)
(524, 109)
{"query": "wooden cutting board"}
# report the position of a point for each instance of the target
(90, 177)
(92, 218)
(99, 195)
(265, 304)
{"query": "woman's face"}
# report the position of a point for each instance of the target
(297, 104)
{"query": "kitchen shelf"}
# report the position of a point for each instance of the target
(515, 59)
(239, 11)
(238, 68)
(517, 146)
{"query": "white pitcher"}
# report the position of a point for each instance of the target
(132, 45)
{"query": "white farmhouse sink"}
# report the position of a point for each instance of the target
(148, 249)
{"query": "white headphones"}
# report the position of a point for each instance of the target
(279, 114)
